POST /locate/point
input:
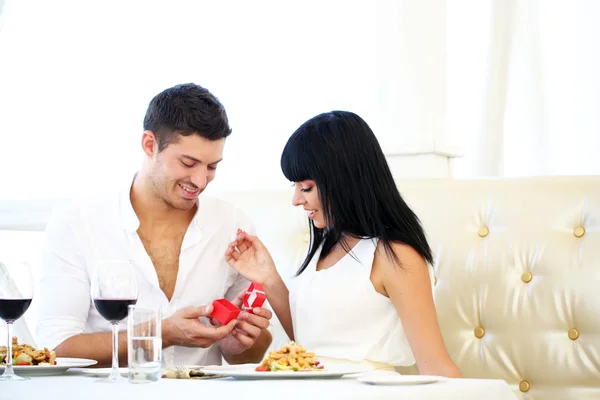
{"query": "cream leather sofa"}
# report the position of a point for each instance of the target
(517, 274)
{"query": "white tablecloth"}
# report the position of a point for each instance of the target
(75, 386)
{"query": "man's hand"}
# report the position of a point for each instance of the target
(185, 329)
(250, 325)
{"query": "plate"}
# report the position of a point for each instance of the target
(62, 365)
(394, 379)
(101, 372)
(247, 371)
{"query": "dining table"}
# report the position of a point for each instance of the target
(75, 385)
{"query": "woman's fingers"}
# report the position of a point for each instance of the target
(231, 254)
(253, 240)
(243, 245)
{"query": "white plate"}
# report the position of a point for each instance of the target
(247, 371)
(393, 379)
(62, 365)
(101, 372)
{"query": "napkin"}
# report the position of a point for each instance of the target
(187, 372)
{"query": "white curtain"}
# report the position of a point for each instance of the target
(520, 94)
(524, 86)
(76, 78)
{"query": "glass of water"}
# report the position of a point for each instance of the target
(144, 344)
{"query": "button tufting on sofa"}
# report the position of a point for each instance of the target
(524, 386)
(573, 334)
(483, 231)
(479, 332)
(579, 231)
(526, 276)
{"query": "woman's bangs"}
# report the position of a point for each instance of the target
(295, 162)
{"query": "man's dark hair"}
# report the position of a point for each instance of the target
(184, 110)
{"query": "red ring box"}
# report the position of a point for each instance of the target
(224, 311)
(255, 296)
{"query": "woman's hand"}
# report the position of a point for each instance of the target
(251, 259)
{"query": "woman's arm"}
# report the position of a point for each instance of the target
(251, 259)
(409, 288)
(279, 299)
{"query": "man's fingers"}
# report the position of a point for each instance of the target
(243, 339)
(251, 330)
(256, 320)
(239, 299)
(262, 312)
(217, 333)
(197, 312)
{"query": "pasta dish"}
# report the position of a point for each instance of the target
(291, 357)
(27, 355)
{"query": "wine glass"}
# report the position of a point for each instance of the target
(114, 288)
(16, 293)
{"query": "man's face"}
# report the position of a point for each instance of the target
(182, 170)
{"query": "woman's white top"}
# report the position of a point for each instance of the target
(337, 312)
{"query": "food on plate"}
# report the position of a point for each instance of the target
(27, 355)
(291, 357)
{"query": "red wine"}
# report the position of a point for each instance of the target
(13, 309)
(113, 310)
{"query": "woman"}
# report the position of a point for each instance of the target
(363, 292)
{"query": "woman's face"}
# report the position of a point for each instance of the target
(306, 194)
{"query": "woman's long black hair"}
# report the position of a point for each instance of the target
(339, 151)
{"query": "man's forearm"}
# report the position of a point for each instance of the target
(255, 353)
(96, 346)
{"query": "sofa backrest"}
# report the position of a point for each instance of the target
(517, 273)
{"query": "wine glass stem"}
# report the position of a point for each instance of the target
(115, 349)
(9, 353)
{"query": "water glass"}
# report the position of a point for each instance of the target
(144, 344)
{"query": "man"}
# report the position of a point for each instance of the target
(174, 237)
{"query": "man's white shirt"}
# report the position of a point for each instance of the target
(104, 227)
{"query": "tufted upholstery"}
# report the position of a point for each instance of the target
(517, 274)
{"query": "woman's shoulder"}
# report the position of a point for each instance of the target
(404, 275)
(407, 256)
